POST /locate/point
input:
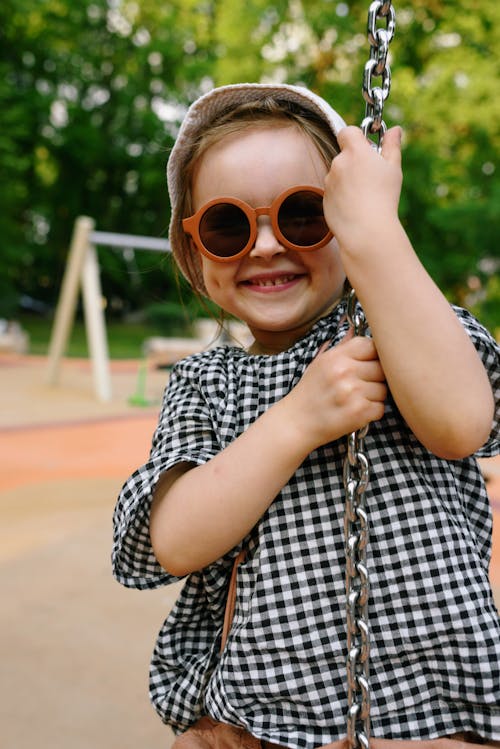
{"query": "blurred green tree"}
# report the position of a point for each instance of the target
(92, 94)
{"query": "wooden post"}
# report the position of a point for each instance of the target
(68, 298)
(95, 324)
(82, 269)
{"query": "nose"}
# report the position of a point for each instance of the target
(267, 245)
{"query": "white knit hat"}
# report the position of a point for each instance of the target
(202, 114)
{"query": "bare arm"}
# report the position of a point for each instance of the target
(435, 374)
(200, 513)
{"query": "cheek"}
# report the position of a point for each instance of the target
(215, 275)
(329, 260)
(337, 260)
(330, 272)
(206, 271)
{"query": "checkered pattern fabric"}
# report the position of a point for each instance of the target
(435, 647)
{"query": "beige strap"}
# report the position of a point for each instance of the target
(231, 599)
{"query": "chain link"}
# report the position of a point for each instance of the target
(377, 66)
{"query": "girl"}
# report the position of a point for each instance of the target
(249, 448)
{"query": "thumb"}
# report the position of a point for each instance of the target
(327, 344)
(391, 146)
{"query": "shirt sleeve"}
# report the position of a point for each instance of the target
(489, 351)
(185, 433)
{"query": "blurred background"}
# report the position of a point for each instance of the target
(92, 93)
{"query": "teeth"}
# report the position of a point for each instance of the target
(273, 281)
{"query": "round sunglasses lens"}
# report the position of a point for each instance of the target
(224, 229)
(301, 219)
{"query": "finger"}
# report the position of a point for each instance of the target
(371, 371)
(350, 136)
(391, 145)
(362, 348)
(377, 393)
(328, 344)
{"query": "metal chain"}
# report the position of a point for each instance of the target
(356, 476)
(377, 66)
(356, 467)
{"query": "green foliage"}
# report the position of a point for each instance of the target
(92, 93)
(125, 339)
(169, 317)
(485, 302)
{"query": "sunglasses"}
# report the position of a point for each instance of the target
(225, 229)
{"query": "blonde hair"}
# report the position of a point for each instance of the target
(251, 115)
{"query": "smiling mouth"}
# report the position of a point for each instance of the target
(270, 282)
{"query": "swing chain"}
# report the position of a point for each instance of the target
(356, 466)
(356, 475)
(377, 66)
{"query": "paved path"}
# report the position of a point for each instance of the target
(74, 645)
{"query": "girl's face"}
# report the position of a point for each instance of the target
(278, 292)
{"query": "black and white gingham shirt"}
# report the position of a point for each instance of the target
(435, 634)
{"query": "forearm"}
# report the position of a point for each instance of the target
(434, 372)
(210, 508)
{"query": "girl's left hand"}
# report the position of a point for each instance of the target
(363, 187)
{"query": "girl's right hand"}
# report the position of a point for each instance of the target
(342, 390)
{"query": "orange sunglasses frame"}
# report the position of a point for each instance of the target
(191, 225)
